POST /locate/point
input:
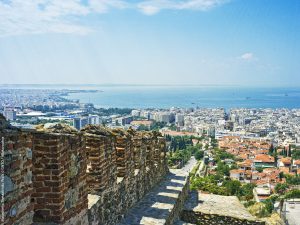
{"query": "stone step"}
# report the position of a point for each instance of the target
(161, 205)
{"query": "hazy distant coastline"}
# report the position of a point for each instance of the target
(156, 96)
(185, 97)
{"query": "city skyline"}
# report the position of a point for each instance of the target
(198, 42)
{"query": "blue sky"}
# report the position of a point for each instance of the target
(199, 42)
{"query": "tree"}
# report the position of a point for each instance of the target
(293, 180)
(158, 125)
(289, 151)
(247, 191)
(296, 154)
(168, 137)
(271, 150)
(223, 169)
(199, 154)
(173, 127)
(233, 187)
(208, 184)
(142, 127)
(281, 188)
(295, 193)
(275, 155)
(281, 175)
(220, 155)
(269, 205)
(259, 169)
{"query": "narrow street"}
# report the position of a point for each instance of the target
(190, 165)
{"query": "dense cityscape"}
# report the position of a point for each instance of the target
(253, 154)
(149, 112)
(25, 107)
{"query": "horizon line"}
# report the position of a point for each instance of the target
(149, 85)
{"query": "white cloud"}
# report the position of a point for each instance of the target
(151, 7)
(154, 6)
(50, 16)
(201, 4)
(41, 16)
(247, 56)
(102, 6)
(63, 16)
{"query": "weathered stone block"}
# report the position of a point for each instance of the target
(18, 208)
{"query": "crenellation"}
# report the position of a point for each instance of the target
(138, 153)
(134, 180)
(124, 153)
(163, 166)
(101, 159)
(57, 175)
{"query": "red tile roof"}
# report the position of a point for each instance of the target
(287, 160)
(264, 158)
(237, 171)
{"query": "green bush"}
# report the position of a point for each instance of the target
(269, 204)
(296, 154)
(292, 180)
(281, 188)
(295, 193)
(199, 154)
(246, 192)
(249, 203)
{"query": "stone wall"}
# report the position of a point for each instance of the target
(139, 164)
(210, 209)
(101, 158)
(182, 196)
(17, 176)
(161, 205)
(57, 175)
(59, 178)
(211, 219)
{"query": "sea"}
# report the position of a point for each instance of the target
(162, 97)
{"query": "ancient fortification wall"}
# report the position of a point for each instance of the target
(140, 164)
(17, 176)
(57, 175)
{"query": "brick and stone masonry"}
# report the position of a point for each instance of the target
(57, 175)
(101, 159)
(17, 175)
(131, 181)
